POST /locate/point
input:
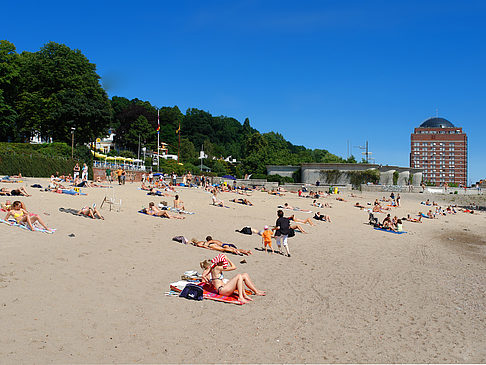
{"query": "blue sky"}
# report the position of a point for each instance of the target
(322, 73)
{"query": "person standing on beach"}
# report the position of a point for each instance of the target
(119, 175)
(76, 171)
(267, 239)
(282, 230)
(108, 175)
(84, 175)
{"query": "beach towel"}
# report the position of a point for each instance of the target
(177, 210)
(388, 230)
(71, 192)
(15, 224)
(208, 292)
(295, 209)
(425, 216)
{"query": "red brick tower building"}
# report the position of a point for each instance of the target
(441, 150)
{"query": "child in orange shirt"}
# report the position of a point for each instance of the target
(267, 239)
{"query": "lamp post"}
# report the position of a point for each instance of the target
(72, 142)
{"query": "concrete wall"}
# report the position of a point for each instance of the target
(287, 171)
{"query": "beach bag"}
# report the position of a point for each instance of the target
(192, 291)
(291, 232)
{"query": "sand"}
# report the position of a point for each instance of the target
(347, 294)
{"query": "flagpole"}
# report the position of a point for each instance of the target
(179, 147)
(158, 141)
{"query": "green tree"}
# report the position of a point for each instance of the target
(59, 90)
(188, 151)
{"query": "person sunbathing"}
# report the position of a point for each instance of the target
(90, 212)
(317, 204)
(357, 205)
(21, 216)
(14, 192)
(215, 247)
(153, 210)
(415, 220)
(241, 201)
(213, 274)
(216, 201)
(178, 204)
(297, 226)
(211, 241)
(8, 206)
(387, 223)
(322, 217)
(430, 215)
(341, 199)
(297, 220)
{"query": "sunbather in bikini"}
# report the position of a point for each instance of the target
(178, 204)
(299, 227)
(297, 220)
(211, 241)
(213, 274)
(215, 247)
(91, 212)
(14, 192)
(153, 210)
(241, 201)
(21, 216)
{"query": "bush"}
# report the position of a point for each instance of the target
(41, 160)
(363, 177)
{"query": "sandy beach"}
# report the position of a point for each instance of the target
(349, 293)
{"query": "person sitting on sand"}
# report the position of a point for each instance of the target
(297, 220)
(213, 274)
(211, 241)
(242, 201)
(23, 217)
(399, 226)
(153, 210)
(317, 204)
(430, 215)
(322, 217)
(178, 204)
(215, 200)
(90, 212)
(387, 223)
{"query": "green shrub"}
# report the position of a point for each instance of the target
(363, 177)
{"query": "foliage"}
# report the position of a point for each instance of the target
(280, 179)
(40, 160)
(396, 175)
(330, 176)
(363, 177)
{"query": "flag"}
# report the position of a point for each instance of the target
(158, 122)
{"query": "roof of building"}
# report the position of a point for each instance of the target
(437, 123)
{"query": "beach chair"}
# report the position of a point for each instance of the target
(112, 202)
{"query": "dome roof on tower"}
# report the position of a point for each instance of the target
(437, 123)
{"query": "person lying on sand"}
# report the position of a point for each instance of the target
(14, 192)
(21, 216)
(341, 199)
(357, 205)
(242, 201)
(213, 274)
(215, 247)
(322, 217)
(415, 220)
(153, 210)
(211, 241)
(297, 220)
(298, 227)
(90, 212)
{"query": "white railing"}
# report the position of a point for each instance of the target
(114, 166)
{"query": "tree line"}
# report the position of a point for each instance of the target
(55, 90)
